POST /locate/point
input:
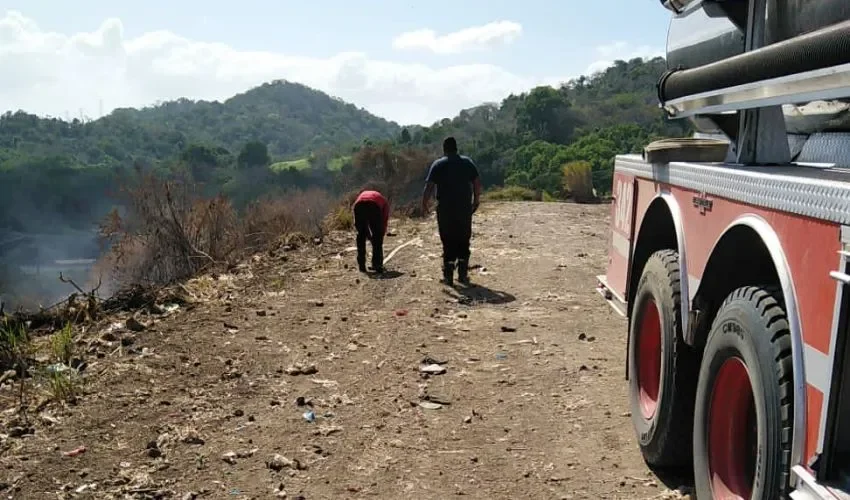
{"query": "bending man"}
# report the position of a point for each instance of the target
(458, 194)
(371, 214)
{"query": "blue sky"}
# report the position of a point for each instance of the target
(536, 42)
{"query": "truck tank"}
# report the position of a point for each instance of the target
(705, 52)
(707, 31)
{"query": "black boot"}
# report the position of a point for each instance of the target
(361, 263)
(448, 273)
(378, 260)
(463, 271)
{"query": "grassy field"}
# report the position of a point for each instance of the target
(335, 164)
(299, 164)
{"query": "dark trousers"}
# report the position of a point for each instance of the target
(455, 231)
(369, 223)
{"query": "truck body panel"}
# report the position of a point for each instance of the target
(804, 208)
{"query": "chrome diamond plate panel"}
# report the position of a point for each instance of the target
(811, 192)
(832, 147)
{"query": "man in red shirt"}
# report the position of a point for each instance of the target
(371, 214)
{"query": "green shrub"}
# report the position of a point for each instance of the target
(512, 193)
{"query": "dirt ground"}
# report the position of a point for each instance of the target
(208, 401)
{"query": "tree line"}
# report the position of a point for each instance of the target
(59, 174)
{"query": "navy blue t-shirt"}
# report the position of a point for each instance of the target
(453, 175)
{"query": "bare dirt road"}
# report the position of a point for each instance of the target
(297, 376)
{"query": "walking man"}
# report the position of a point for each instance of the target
(458, 186)
(371, 214)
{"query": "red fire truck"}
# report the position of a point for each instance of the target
(730, 253)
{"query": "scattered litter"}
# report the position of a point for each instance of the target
(86, 487)
(508, 329)
(309, 416)
(501, 356)
(75, 452)
(299, 369)
(325, 382)
(58, 368)
(427, 405)
(429, 360)
(170, 308)
(279, 462)
(441, 400)
(401, 312)
(432, 369)
(191, 436)
(49, 419)
(342, 399)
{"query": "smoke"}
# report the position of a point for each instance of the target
(48, 229)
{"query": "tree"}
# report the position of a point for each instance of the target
(254, 154)
(405, 136)
(548, 115)
(202, 160)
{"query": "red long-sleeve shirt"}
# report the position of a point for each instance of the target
(378, 199)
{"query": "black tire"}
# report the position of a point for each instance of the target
(751, 328)
(664, 433)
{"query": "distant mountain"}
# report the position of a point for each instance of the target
(290, 118)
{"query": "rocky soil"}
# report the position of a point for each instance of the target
(295, 376)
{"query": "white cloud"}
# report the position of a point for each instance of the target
(59, 74)
(476, 38)
(621, 51)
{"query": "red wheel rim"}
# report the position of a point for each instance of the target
(732, 432)
(649, 358)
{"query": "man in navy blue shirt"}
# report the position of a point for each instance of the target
(458, 186)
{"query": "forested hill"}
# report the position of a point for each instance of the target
(527, 139)
(290, 118)
(55, 173)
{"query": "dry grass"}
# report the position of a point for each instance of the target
(398, 173)
(578, 182)
(170, 232)
(340, 219)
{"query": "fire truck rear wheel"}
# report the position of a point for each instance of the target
(742, 417)
(662, 368)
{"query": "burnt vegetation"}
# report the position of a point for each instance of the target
(126, 206)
